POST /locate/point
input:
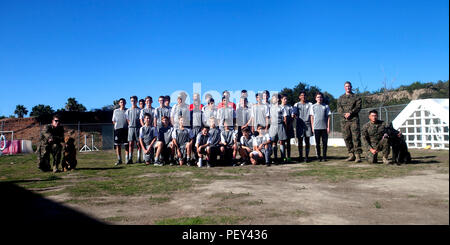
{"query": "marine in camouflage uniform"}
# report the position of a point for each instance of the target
(51, 144)
(372, 136)
(351, 103)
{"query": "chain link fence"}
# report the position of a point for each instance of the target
(385, 113)
(89, 136)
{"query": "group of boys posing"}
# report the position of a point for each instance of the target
(166, 135)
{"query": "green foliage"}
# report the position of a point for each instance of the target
(440, 88)
(20, 111)
(377, 204)
(73, 105)
(311, 91)
(115, 105)
(41, 110)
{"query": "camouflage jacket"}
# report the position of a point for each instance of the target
(349, 104)
(50, 132)
(372, 134)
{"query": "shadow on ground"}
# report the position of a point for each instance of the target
(22, 207)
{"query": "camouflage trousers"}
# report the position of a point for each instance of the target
(352, 136)
(383, 147)
(47, 150)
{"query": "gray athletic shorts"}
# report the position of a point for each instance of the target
(303, 131)
(263, 151)
(277, 132)
(290, 132)
(133, 134)
(183, 152)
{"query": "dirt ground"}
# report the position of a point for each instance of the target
(274, 195)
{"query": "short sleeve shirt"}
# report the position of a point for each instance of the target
(133, 117)
(182, 136)
(214, 136)
(120, 119)
(320, 112)
(147, 134)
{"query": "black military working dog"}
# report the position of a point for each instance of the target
(400, 153)
(69, 160)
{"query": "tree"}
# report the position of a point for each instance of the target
(41, 110)
(311, 91)
(20, 111)
(115, 105)
(73, 105)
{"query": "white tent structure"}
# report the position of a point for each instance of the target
(425, 123)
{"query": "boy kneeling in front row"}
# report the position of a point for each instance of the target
(182, 141)
(245, 146)
(228, 147)
(262, 148)
(200, 145)
(164, 147)
(213, 148)
(147, 139)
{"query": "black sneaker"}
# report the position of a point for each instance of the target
(306, 160)
(118, 162)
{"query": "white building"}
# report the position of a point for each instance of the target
(425, 123)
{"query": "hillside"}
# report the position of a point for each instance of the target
(404, 94)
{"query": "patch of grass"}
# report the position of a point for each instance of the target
(274, 215)
(125, 186)
(158, 200)
(115, 219)
(299, 213)
(201, 220)
(377, 204)
(240, 171)
(208, 176)
(227, 209)
(254, 203)
(229, 195)
(77, 201)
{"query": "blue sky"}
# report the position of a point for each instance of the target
(98, 51)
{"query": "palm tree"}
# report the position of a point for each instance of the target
(20, 111)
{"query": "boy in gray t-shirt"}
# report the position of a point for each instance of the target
(182, 141)
(147, 109)
(119, 119)
(160, 112)
(320, 120)
(209, 111)
(277, 130)
(301, 113)
(133, 126)
(147, 138)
